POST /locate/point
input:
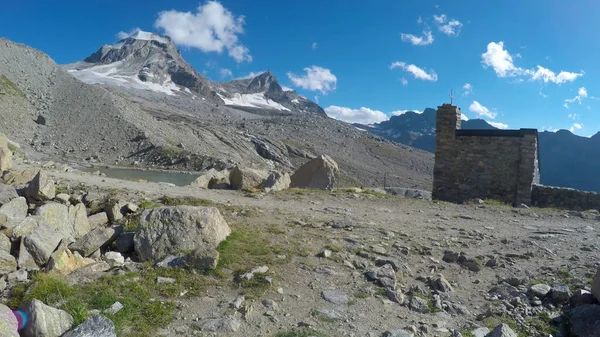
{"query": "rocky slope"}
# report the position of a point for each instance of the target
(567, 160)
(142, 113)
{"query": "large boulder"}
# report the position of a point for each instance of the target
(97, 220)
(15, 211)
(7, 193)
(8, 322)
(26, 227)
(242, 177)
(212, 179)
(57, 217)
(8, 263)
(276, 182)
(97, 238)
(585, 321)
(41, 187)
(20, 177)
(79, 220)
(170, 230)
(64, 261)
(319, 173)
(45, 320)
(42, 243)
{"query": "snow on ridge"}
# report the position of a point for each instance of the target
(295, 100)
(141, 35)
(256, 100)
(107, 74)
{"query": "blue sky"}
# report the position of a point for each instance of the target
(527, 63)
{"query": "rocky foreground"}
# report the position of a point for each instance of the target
(85, 255)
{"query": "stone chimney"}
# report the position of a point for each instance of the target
(447, 121)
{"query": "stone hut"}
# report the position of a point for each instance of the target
(501, 165)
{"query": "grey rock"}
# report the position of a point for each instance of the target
(276, 182)
(168, 230)
(41, 243)
(114, 259)
(419, 305)
(41, 187)
(455, 308)
(221, 324)
(57, 217)
(27, 226)
(88, 273)
(450, 256)
(441, 284)
(99, 237)
(115, 210)
(19, 276)
(202, 258)
(7, 193)
(114, 308)
(125, 243)
(8, 263)
(26, 260)
(502, 330)
(212, 179)
(585, 321)
(480, 332)
(560, 293)
(131, 207)
(329, 313)
(319, 173)
(63, 198)
(94, 326)
(45, 320)
(5, 159)
(540, 290)
(79, 220)
(241, 177)
(15, 211)
(165, 280)
(335, 297)
(385, 276)
(9, 325)
(98, 220)
(505, 291)
(5, 243)
(410, 193)
(581, 297)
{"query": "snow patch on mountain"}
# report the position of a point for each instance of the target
(108, 75)
(256, 100)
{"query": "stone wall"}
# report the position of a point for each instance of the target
(565, 198)
(487, 164)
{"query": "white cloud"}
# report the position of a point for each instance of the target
(123, 35)
(212, 28)
(316, 79)
(252, 74)
(225, 73)
(548, 128)
(498, 125)
(480, 110)
(402, 112)
(576, 126)
(424, 40)
(449, 27)
(543, 95)
(573, 116)
(581, 93)
(362, 115)
(463, 117)
(317, 99)
(468, 89)
(404, 81)
(502, 62)
(420, 20)
(417, 72)
(314, 45)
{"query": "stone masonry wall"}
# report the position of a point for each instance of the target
(486, 168)
(488, 164)
(565, 198)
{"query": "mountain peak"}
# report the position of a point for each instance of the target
(265, 82)
(149, 36)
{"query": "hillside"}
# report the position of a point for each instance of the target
(139, 103)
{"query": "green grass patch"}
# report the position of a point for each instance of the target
(301, 332)
(131, 223)
(245, 249)
(275, 229)
(360, 294)
(334, 247)
(323, 318)
(142, 314)
(9, 87)
(493, 321)
(62, 189)
(148, 204)
(374, 193)
(191, 201)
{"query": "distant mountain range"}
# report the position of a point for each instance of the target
(566, 160)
